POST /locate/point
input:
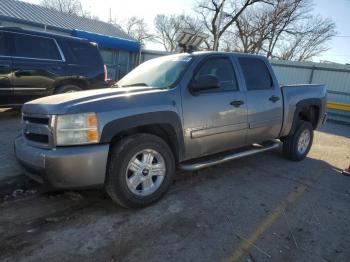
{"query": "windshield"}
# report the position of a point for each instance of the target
(162, 72)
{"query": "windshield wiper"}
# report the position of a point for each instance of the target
(136, 84)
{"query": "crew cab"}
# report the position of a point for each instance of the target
(186, 111)
(36, 64)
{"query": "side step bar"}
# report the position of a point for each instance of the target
(192, 166)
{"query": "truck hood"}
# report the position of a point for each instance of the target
(87, 101)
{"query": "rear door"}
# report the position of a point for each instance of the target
(37, 64)
(215, 120)
(6, 90)
(264, 100)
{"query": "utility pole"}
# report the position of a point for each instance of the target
(110, 15)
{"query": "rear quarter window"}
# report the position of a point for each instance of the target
(84, 53)
(256, 74)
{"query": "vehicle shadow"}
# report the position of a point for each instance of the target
(6, 113)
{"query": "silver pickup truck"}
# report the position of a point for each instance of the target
(186, 111)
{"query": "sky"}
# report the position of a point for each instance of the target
(337, 10)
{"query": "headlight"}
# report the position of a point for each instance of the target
(77, 129)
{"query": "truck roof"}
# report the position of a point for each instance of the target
(199, 53)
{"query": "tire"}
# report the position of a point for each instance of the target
(294, 150)
(124, 183)
(67, 89)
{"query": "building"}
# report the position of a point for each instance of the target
(119, 50)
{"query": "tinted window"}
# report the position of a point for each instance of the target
(4, 44)
(256, 74)
(222, 69)
(35, 47)
(84, 53)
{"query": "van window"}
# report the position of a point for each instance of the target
(4, 44)
(35, 47)
(256, 74)
(84, 53)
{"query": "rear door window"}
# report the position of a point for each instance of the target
(4, 44)
(29, 46)
(256, 74)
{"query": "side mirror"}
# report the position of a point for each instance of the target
(204, 82)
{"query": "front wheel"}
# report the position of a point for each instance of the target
(140, 170)
(297, 146)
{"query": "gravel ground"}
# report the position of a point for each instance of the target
(10, 127)
(260, 208)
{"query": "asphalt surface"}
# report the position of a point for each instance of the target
(260, 208)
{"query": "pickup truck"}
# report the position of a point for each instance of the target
(186, 111)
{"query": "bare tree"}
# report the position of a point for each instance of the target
(284, 30)
(138, 29)
(65, 6)
(219, 15)
(309, 41)
(168, 27)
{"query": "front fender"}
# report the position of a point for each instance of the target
(115, 127)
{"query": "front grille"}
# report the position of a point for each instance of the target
(37, 130)
(44, 139)
(37, 120)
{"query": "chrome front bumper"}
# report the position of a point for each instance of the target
(64, 167)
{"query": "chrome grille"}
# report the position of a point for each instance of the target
(37, 130)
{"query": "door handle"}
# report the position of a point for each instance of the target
(274, 99)
(236, 103)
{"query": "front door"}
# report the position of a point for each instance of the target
(264, 100)
(214, 120)
(6, 90)
(37, 64)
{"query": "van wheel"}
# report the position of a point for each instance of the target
(297, 146)
(67, 89)
(140, 170)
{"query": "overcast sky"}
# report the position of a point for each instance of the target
(338, 10)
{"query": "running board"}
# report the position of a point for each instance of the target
(257, 148)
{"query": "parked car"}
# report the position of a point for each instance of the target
(185, 111)
(35, 64)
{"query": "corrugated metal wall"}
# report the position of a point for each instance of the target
(335, 77)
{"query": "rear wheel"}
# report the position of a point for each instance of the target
(67, 89)
(140, 170)
(297, 146)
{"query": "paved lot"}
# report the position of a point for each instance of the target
(261, 208)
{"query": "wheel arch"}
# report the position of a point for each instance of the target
(166, 125)
(308, 110)
(82, 83)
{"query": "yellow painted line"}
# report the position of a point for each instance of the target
(269, 221)
(338, 106)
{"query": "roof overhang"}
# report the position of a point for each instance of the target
(106, 41)
(34, 24)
